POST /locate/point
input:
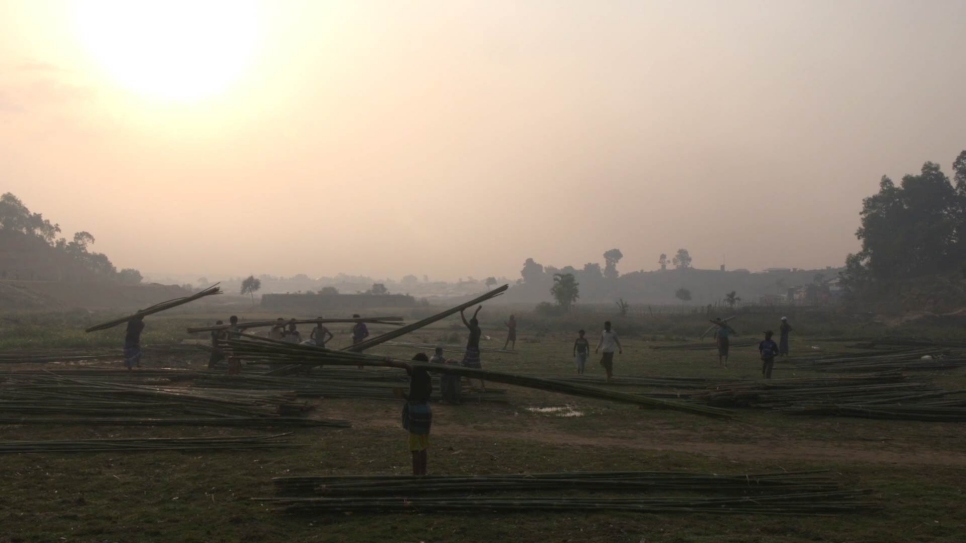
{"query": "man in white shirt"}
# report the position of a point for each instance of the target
(608, 343)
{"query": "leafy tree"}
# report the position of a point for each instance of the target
(532, 271)
(623, 307)
(329, 291)
(683, 294)
(14, 216)
(490, 282)
(129, 276)
(682, 260)
(250, 286)
(410, 280)
(732, 299)
(911, 230)
(611, 258)
(565, 290)
(663, 262)
(378, 289)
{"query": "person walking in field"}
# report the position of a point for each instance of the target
(417, 416)
(132, 342)
(581, 351)
(722, 335)
(607, 344)
(318, 334)
(768, 350)
(783, 332)
(359, 332)
(511, 334)
(471, 359)
(217, 339)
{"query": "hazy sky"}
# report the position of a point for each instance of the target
(458, 138)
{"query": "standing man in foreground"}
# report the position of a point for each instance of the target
(608, 342)
(319, 334)
(132, 342)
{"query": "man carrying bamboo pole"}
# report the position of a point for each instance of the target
(722, 336)
(608, 343)
(417, 416)
(471, 359)
(132, 342)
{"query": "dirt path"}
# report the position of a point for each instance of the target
(771, 447)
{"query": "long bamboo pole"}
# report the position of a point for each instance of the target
(157, 308)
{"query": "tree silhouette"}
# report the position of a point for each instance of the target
(611, 258)
(732, 299)
(532, 271)
(663, 262)
(683, 294)
(250, 286)
(490, 282)
(565, 290)
(378, 289)
(682, 260)
(329, 291)
(623, 306)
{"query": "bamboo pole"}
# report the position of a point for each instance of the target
(157, 308)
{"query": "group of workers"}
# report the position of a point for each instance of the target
(768, 350)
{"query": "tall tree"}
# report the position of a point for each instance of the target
(611, 258)
(565, 290)
(250, 286)
(663, 262)
(490, 282)
(682, 260)
(592, 271)
(732, 299)
(532, 271)
(915, 229)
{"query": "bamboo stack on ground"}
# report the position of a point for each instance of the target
(777, 493)
(163, 306)
(206, 444)
(269, 351)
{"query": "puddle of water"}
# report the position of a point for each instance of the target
(562, 411)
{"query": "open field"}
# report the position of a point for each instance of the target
(915, 470)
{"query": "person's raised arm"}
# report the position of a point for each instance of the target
(463, 318)
(477, 312)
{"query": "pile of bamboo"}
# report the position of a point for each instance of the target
(645, 492)
(104, 401)
(905, 360)
(206, 444)
(66, 355)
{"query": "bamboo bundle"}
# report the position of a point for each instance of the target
(391, 321)
(251, 348)
(894, 412)
(226, 443)
(903, 361)
(793, 493)
(51, 394)
(447, 348)
(230, 422)
(163, 306)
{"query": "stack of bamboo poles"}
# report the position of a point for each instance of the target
(206, 444)
(163, 306)
(391, 321)
(908, 360)
(36, 398)
(63, 355)
(645, 492)
(268, 351)
(883, 396)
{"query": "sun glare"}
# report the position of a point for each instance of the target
(170, 49)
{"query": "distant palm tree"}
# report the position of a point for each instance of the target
(732, 299)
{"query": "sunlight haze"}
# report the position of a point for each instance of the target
(457, 139)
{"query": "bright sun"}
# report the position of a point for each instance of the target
(170, 49)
